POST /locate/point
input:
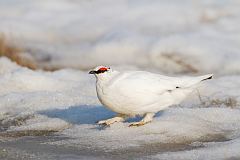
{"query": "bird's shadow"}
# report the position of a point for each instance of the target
(84, 114)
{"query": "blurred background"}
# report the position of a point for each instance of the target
(165, 36)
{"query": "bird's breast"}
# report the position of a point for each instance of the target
(112, 100)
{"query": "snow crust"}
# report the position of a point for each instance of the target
(65, 101)
(167, 36)
(211, 151)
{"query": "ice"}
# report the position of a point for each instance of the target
(174, 126)
(212, 151)
(166, 36)
(40, 122)
(65, 101)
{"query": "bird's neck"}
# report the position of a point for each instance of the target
(106, 77)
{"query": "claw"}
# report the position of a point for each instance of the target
(147, 119)
(105, 122)
(136, 124)
(110, 121)
(100, 123)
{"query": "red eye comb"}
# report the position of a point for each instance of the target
(103, 69)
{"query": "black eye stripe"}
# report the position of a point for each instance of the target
(100, 71)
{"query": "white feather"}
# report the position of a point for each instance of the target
(139, 92)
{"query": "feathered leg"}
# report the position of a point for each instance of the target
(147, 118)
(117, 118)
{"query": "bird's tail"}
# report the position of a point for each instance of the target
(193, 81)
(206, 77)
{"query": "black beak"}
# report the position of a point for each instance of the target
(92, 72)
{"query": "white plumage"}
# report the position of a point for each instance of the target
(140, 93)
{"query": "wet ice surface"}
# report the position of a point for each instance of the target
(61, 109)
(31, 148)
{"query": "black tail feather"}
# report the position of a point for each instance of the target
(207, 78)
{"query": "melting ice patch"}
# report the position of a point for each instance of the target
(174, 126)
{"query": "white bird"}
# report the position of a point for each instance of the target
(142, 93)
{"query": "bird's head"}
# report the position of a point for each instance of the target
(100, 70)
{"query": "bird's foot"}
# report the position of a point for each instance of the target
(138, 124)
(147, 118)
(110, 121)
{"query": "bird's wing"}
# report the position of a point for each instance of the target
(147, 82)
(143, 82)
(148, 91)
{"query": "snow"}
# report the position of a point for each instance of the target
(25, 92)
(40, 122)
(165, 36)
(212, 151)
(174, 126)
(65, 101)
(170, 37)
